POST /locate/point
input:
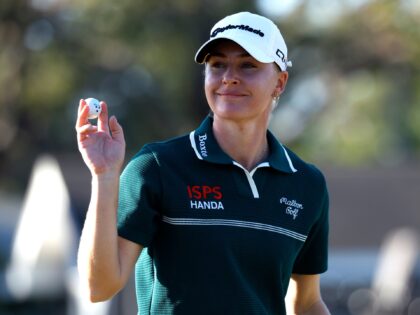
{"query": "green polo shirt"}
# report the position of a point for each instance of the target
(217, 238)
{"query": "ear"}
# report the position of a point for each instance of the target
(281, 82)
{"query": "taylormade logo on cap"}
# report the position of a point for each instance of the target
(259, 36)
(241, 27)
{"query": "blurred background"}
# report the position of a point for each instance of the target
(352, 107)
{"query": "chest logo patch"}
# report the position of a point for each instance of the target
(292, 207)
(205, 197)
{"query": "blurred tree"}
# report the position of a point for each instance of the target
(352, 97)
(136, 55)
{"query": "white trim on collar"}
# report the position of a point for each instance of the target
(249, 176)
(289, 160)
(192, 140)
(200, 157)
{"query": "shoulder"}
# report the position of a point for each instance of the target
(155, 151)
(170, 145)
(307, 171)
(146, 164)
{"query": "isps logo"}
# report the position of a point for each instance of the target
(205, 197)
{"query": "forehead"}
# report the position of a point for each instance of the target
(225, 47)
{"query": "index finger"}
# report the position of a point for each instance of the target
(82, 103)
(103, 124)
(82, 114)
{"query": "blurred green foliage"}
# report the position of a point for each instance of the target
(371, 61)
(352, 97)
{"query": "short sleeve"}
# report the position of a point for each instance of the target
(139, 193)
(313, 257)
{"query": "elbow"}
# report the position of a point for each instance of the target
(99, 290)
(95, 297)
(101, 294)
(95, 288)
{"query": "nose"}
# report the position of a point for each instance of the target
(230, 76)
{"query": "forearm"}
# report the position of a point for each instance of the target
(318, 308)
(98, 258)
(304, 296)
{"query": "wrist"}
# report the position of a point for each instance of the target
(105, 177)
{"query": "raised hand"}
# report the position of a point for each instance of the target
(102, 146)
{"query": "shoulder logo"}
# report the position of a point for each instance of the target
(205, 197)
(292, 207)
(202, 144)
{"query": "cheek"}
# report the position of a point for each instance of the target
(207, 85)
(208, 91)
(210, 84)
(266, 87)
(262, 88)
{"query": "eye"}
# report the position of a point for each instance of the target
(248, 65)
(217, 65)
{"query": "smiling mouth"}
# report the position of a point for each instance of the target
(230, 94)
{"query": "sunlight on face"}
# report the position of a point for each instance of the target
(237, 85)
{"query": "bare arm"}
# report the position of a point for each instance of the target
(304, 296)
(105, 261)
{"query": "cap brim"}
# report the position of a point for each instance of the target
(244, 42)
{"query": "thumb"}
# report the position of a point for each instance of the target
(116, 129)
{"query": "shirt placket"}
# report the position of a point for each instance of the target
(250, 177)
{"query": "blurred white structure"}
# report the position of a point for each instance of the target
(390, 292)
(44, 239)
(42, 262)
(391, 282)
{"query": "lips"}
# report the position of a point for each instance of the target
(230, 93)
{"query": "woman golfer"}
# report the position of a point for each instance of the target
(224, 220)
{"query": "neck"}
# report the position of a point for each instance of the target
(245, 142)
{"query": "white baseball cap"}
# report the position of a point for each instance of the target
(259, 36)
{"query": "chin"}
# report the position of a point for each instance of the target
(233, 115)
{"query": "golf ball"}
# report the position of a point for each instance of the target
(94, 107)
